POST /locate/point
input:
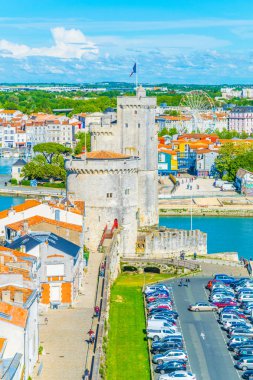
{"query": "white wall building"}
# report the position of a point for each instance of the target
(241, 119)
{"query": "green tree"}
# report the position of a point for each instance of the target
(84, 138)
(51, 150)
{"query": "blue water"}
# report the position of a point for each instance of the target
(6, 164)
(224, 234)
(7, 201)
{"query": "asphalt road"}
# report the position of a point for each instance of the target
(205, 342)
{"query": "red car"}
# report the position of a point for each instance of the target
(154, 298)
(224, 303)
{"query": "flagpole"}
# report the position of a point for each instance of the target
(136, 79)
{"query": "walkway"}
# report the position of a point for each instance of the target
(64, 337)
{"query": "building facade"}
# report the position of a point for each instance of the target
(241, 119)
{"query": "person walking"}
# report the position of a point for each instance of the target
(92, 336)
(96, 310)
(86, 374)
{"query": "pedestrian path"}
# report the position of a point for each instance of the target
(64, 337)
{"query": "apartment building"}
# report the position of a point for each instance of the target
(241, 119)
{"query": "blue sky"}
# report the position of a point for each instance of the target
(175, 41)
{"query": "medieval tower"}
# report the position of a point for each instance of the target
(118, 179)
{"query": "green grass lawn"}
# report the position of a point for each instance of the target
(127, 350)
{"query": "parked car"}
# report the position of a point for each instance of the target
(171, 313)
(156, 296)
(202, 306)
(170, 355)
(170, 367)
(248, 344)
(244, 352)
(228, 325)
(158, 317)
(157, 334)
(224, 303)
(242, 331)
(178, 375)
(171, 338)
(248, 375)
(224, 278)
(162, 306)
(160, 323)
(245, 363)
(152, 288)
(228, 187)
(159, 346)
(238, 339)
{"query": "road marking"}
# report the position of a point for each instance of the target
(178, 320)
(230, 354)
(203, 336)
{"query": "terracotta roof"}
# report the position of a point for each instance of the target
(12, 288)
(14, 314)
(22, 207)
(16, 253)
(3, 342)
(8, 269)
(105, 155)
(34, 220)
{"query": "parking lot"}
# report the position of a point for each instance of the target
(205, 342)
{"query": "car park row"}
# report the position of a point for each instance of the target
(232, 299)
(169, 356)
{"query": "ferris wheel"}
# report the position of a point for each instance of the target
(197, 112)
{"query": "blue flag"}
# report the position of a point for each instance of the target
(133, 70)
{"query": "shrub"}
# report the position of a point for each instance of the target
(14, 181)
(25, 182)
(56, 185)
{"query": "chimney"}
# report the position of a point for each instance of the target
(23, 248)
(2, 259)
(18, 297)
(25, 227)
(6, 296)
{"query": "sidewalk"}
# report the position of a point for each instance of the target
(64, 337)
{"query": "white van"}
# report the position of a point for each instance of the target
(228, 317)
(160, 323)
(218, 182)
(228, 187)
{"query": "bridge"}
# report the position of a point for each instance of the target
(177, 263)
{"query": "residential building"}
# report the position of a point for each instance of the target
(241, 119)
(61, 267)
(16, 170)
(8, 137)
(64, 212)
(229, 93)
(71, 232)
(247, 93)
(8, 115)
(205, 162)
(167, 162)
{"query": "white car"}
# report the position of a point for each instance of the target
(178, 375)
(157, 334)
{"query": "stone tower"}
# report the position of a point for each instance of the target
(138, 137)
(108, 184)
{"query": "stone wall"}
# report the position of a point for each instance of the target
(170, 243)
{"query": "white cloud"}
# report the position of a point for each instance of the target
(68, 44)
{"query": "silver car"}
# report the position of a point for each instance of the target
(202, 306)
(169, 356)
(245, 363)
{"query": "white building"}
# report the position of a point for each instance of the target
(241, 119)
(247, 93)
(19, 326)
(229, 93)
(33, 208)
(8, 115)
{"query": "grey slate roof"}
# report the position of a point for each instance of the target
(19, 162)
(35, 238)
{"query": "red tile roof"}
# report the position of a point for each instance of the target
(17, 315)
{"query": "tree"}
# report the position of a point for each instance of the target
(84, 138)
(232, 157)
(50, 150)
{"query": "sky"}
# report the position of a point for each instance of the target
(172, 41)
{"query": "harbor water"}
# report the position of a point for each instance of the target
(224, 234)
